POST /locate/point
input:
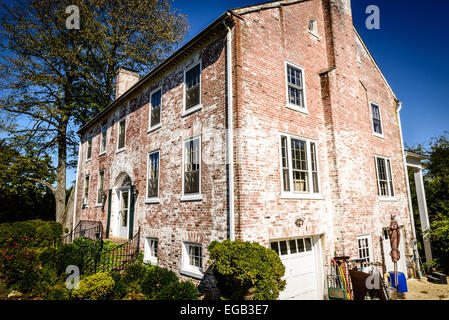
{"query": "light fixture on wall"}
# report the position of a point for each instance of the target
(299, 222)
(104, 200)
(135, 192)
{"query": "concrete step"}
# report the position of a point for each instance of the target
(441, 276)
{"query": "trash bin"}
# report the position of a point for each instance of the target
(402, 281)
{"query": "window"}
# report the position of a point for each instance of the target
(292, 246)
(151, 250)
(104, 134)
(192, 94)
(295, 87)
(299, 166)
(155, 108)
(121, 135)
(192, 167)
(89, 147)
(377, 121)
(100, 189)
(153, 176)
(384, 177)
(192, 258)
(313, 27)
(364, 248)
(86, 191)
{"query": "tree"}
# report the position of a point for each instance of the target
(54, 79)
(21, 198)
(436, 182)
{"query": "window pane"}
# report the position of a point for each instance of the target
(103, 138)
(121, 138)
(89, 147)
(299, 162)
(193, 87)
(192, 167)
(156, 102)
(283, 245)
(292, 244)
(377, 122)
(285, 165)
(153, 175)
(308, 244)
(300, 245)
(382, 177)
(295, 87)
(274, 246)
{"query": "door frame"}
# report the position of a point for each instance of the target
(118, 229)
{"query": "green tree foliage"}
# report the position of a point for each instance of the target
(436, 181)
(246, 270)
(54, 79)
(21, 197)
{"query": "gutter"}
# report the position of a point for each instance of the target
(409, 195)
(229, 131)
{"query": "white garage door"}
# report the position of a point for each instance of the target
(301, 269)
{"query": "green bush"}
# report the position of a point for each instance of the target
(99, 286)
(46, 282)
(39, 233)
(245, 270)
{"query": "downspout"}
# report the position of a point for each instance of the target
(229, 131)
(409, 195)
(76, 187)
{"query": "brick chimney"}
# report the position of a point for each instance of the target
(125, 80)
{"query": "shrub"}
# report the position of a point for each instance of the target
(19, 265)
(245, 270)
(46, 283)
(39, 233)
(98, 286)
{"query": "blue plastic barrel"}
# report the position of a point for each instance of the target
(402, 281)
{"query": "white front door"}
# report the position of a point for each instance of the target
(301, 269)
(123, 216)
(402, 265)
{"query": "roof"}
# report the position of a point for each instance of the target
(415, 155)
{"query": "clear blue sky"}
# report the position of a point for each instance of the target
(411, 48)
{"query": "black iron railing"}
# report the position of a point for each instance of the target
(86, 229)
(120, 257)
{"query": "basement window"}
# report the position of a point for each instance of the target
(192, 259)
(192, 89)
(384, 177)
(155, 107)
(151, 251)
(299, 166)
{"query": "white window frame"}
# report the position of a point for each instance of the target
(148, 255)
(153, 199)
(371, 103)
(302, 109)
(198, 196)
(313, 32)
(100, 201)
(159, 125)
(298, 194)
(388, 197)
(370, 246)
(102, 152)
(85, 200)
(200, 105)
(187, 268)
(91, 138)
(118, 135)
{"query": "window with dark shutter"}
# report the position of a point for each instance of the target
(193, 87)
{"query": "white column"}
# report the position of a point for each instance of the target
(423, 214)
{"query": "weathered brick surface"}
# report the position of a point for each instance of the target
(340, 80)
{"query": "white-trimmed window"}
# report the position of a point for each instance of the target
(89, 148)
(377, 120)
(292, 246)
(384, 177)
(121, 135)
(299, 166)
(295, 87)
(100, 188)
(313, 27)
(364, 248)
(86, 191)
(192, 88)
(153, 176)
(192, 259)
(103, 139)
(191, 180)
(151, 250)
(155, 109)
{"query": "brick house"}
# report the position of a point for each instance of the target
(274, 124)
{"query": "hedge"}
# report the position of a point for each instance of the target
(39, 233)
